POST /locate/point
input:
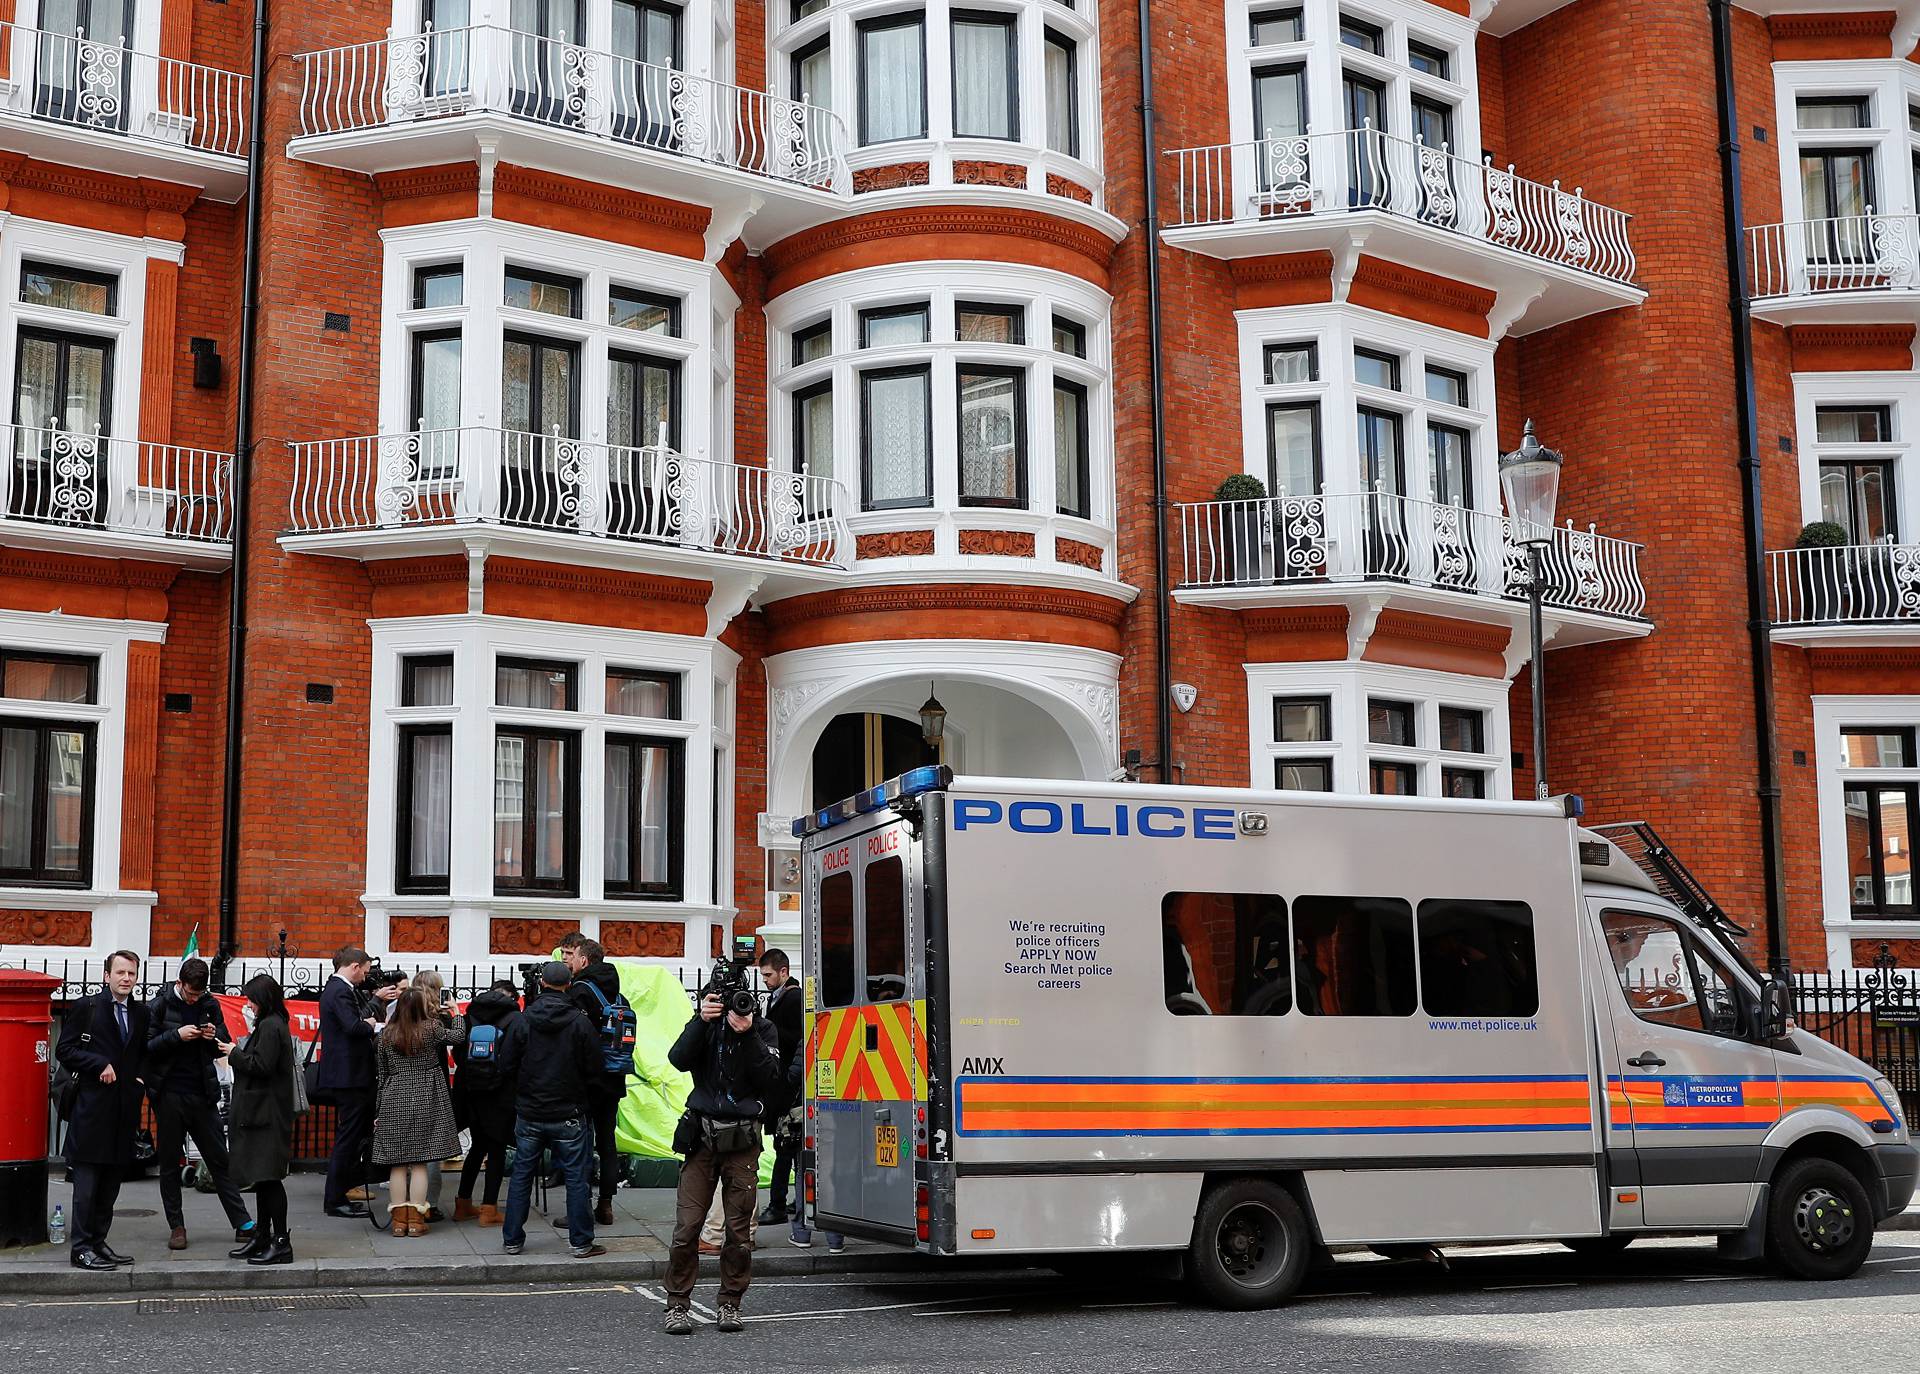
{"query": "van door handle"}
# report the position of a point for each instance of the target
(1646, 1059)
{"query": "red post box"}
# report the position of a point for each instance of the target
(26, 1060)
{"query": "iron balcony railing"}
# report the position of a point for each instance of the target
(1819, 256)
(653, 495)
(1851, 584)
(482, 69)
(1349, 170)
(104, 86)
(89, 480)
(1375, 536)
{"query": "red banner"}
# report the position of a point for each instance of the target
(303, 1018)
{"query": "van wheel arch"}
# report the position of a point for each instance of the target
(1819, 1210)
(1254, 1239)
(1830, 1145)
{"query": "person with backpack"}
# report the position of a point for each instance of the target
(596, 991)
(552, 1055)
(483, 1091)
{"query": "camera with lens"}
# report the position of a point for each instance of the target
(729, 980)
(378, 977)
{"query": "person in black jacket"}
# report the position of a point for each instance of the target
(103, 1043)
(553, 1055)
(595, 987)
(183, 1035)
(483, 1093)
(785, 1012)
(735, 1063)
(345, 1076)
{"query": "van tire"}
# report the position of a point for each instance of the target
(1819, 1220)
(1251, 1244)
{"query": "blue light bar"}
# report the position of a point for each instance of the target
(932, 778)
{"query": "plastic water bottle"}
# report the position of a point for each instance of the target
(57, 1226)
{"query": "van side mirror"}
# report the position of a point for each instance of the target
(1776, 1009)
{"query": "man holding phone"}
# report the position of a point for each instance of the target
(186, 1034)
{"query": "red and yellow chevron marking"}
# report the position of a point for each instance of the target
(1012, 1106)
(1645, 1103)
(840, 1064)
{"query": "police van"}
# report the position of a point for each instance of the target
(1057, 1017)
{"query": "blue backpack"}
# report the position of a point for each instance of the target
(619, 1028)
(481, 1071)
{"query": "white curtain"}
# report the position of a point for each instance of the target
(619, 813)
(1069, 441)
(989, 441)
(982, 79)
(897, 457)
(892, 66)
(430, 825)
(1062, 97)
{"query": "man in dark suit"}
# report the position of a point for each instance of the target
(103, 1043)
(345, 1076)
(187, 1034)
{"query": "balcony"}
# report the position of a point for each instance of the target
(1550, 255)
(418, 100)
(1396, 551)
(66, 98)
(536, 495)
(1856, 269)
(115, 498)
(1852, 595)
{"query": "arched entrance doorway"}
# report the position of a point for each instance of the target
(861, 749)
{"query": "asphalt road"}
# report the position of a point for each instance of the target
(1670, 1307)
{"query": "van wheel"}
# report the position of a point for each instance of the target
(1819, 1220)
(1250, 1244)
(1598, 1247)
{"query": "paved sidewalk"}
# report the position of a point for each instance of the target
(331, 1254)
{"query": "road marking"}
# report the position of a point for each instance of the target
(495, 1292)
(969, 1312)
(1353, 1293)
(1104, 1306)
(1517, 1287)
(700, 1315)
(880, 1307)
(1714, 1278)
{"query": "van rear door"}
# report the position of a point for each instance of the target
(866, 1047)
(1697, 1098)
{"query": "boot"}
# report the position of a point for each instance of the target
(491, 1215)
(464, 1210)
(257, 1243)
(278, 1251)
(397, 1217)
(416, 1221)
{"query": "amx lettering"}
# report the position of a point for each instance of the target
(1096, 818)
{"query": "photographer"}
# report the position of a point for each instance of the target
(186, 1033)
(733, 1054)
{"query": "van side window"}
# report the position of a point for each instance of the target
(1209, 938)
(836, 940)
(1476, 959)
(1353, 956)
(1668, 979)
(886, 883)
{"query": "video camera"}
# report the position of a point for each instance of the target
(378, 977)
(729, 979)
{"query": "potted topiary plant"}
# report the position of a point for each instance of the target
(1821, 578)
(1243, 523)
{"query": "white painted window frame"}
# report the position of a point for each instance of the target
(1889, 84)
(706, 30)
(1830, 715)
(1337, 331)
(1900, 393)
(1348, 687)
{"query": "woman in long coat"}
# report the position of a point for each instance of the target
(413, 1120)
(262, 1120)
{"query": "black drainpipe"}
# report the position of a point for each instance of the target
(1753, 511)
(242, 506)
(1162, 601)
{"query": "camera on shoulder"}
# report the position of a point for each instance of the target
(729, 979)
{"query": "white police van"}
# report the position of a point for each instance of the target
(1049, 1017)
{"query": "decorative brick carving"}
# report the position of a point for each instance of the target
(894, 544)
(46, 928)
(997, 543)
(891, 177)
(419, 934)
(1058, 185)
(644, 939)
(1081, 555)
(1008, 174)
(526, 935)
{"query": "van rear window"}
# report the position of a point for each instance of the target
(1476, 959)
(836, 940)
(1225, 954)
(886, 881)
(1353, 956)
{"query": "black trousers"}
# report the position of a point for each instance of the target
(605, 1108)
(490, 1151)
(177, 1116)
(353, 1124)
(96, 1187)
(785, 1156)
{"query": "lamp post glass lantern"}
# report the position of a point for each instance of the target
(1530, 482)
(933, 720)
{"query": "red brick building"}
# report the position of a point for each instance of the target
(654, 403)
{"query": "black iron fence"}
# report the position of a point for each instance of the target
(1871, 1013)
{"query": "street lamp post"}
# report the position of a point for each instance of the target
(1530, 481)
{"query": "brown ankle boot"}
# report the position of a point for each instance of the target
(398, 1217)
(464, 1210)
(491, 1215)
(416, 1221)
